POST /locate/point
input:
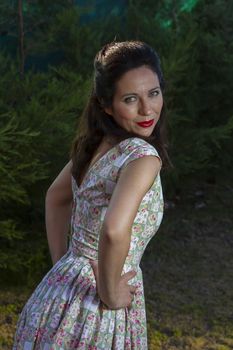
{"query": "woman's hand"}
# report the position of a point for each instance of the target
(124, 293)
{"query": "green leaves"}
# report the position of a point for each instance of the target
(39, 114)
(16, 170)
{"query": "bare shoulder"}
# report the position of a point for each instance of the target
(140, 173)
(134, 182)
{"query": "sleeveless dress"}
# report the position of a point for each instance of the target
(65, 312)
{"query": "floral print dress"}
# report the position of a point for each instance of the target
(65, 312)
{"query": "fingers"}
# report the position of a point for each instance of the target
(130, 274)
(132, 299)
(93, 262)
(94, 265)
(132, 289)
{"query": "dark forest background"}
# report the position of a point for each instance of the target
(46, 59)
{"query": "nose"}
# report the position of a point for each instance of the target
(144, 107)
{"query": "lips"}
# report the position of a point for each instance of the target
(147, 123)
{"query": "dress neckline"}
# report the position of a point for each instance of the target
(99, 160)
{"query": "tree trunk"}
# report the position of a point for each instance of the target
(21, 39)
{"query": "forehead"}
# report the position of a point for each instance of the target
(137, 78)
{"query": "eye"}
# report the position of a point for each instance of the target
(155, 92)
(130, 99)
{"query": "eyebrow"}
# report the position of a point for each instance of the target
(134, 93)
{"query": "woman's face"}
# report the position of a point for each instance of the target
(138, 98)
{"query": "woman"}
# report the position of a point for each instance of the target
(93, 297)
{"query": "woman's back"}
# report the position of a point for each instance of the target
(93, 297)
(92, 197)
(71, 315)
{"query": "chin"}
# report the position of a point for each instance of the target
(146, 132)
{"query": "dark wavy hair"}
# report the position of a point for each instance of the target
(110, 63)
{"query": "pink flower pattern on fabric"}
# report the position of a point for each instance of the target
(64, 312)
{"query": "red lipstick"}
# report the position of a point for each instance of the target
(146, 124)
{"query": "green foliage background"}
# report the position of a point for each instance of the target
(39, 112)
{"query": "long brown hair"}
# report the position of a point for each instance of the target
(110, 63)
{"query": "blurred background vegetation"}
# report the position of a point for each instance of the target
(46, 58)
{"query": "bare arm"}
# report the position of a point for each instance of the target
(135, 180)
(58, 206)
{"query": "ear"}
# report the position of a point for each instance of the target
(108, 110)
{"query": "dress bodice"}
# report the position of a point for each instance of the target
(92, 197)
(65, 310)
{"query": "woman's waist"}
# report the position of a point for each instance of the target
(81, 249)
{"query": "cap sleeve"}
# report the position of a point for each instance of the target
(139, 149)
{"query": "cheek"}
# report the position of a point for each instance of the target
(126, 113)
(161, 102)
(158, 104)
